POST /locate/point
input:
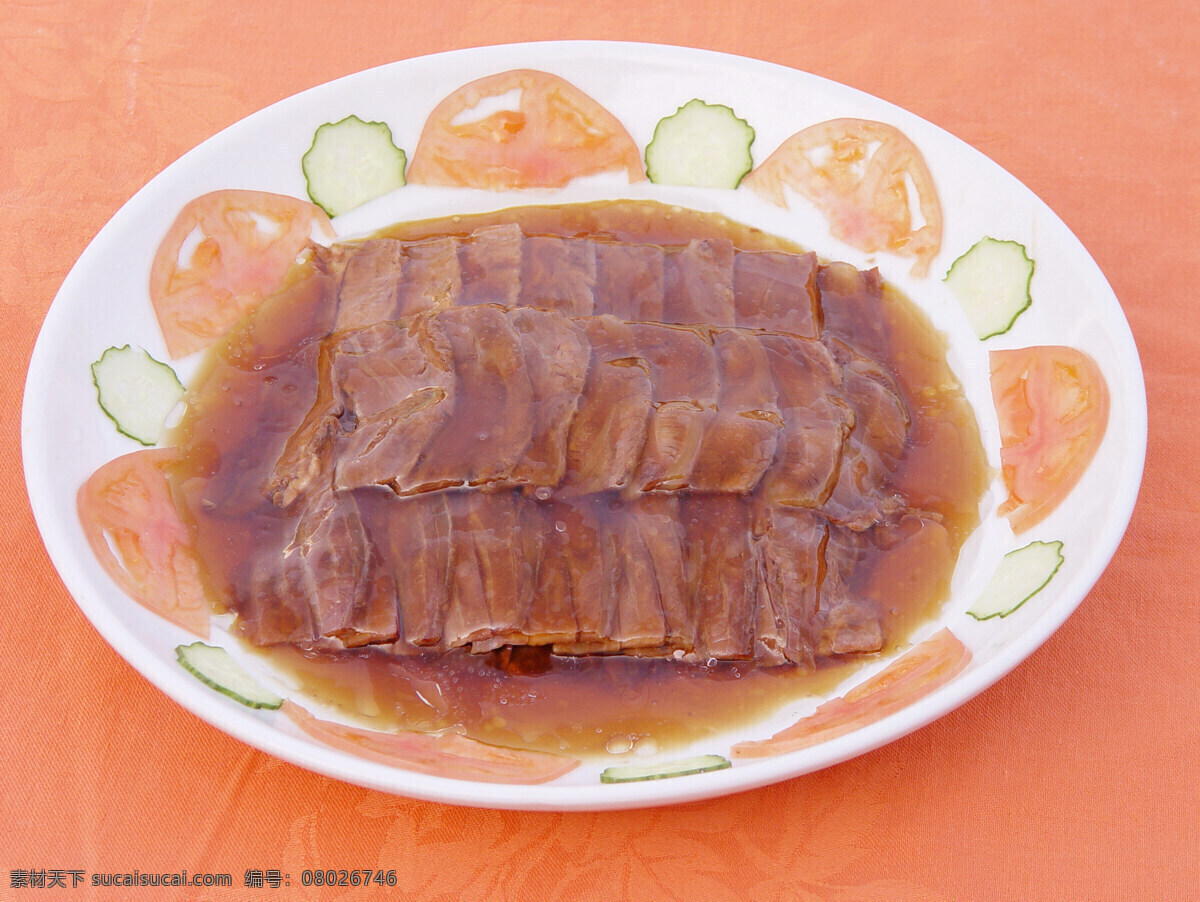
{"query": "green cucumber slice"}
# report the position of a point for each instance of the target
(633, 773)
(1021, 575)
(215, 667)
(991, 282)
(703, 145)
(136, 392)
(351, 162)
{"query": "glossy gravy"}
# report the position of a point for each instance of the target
(258, 382)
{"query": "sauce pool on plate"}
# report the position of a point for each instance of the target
(581, 478)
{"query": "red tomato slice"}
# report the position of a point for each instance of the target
(244, 244)
(1052, 403)
(446, 755)
(913, 675)
(138, 537)
(554, 134)
(858, 172)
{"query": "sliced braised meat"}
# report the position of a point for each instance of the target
(850, 302)
(699, 284)
(559, 274)
(630, 281)
(777, 291)
(492, 422)
(741, 439)
(370, 287)
(415, 539)
(684, 386)
(792, 544)
(277, 606)
(698, 576)
(308, 453)
(635, 617)
(353, 597)
(849, 623)
(433, 278)
(723, 576)
(852, 628)
(863, 497)
(552, 619)
(882, 418)
(398, 390)
(816, 423)
(576, 540)
(491, 266)
(713, 474)
(605, 441)
(625, 563)
(491, 583)
(658, 523)
(557, 355)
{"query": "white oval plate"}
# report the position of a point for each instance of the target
(104, 302)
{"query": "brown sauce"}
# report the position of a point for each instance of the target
(258, 383)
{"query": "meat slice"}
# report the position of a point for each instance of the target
(634, 613)
(433, 278)
(722, 574)
(684, 389)
(559, 274)
(791, 545)
(551, 619)
(630, 281)
(606, 437)
(353, 598)
(491, 584)
(850, 305)
(882, 417)
(657, 522)
(398, 388)
(490, 259)
(369, 291)
(625, 563)
(699, 284)
(777, 291)
(415, 540)
(492, 421)
(557, 354)
(816, 423)
(276, 608)
(576, 541)
(849, 623)
(740, 441)
(863, 496)
(308, 453)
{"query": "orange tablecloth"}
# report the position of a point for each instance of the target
(1076, 777)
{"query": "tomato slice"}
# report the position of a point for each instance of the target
(858, 172)
(1052, 403)
(913, 675)
(552, 134)
(138, 537)
(445, 755)
(237, 246)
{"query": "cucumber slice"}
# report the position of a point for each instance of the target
(633, 773)
(136, 391)
(351, 162)
(704, 145)
(215, 667)
(991, 282)
(1021, 575)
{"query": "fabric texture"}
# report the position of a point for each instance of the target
(1075, 777)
